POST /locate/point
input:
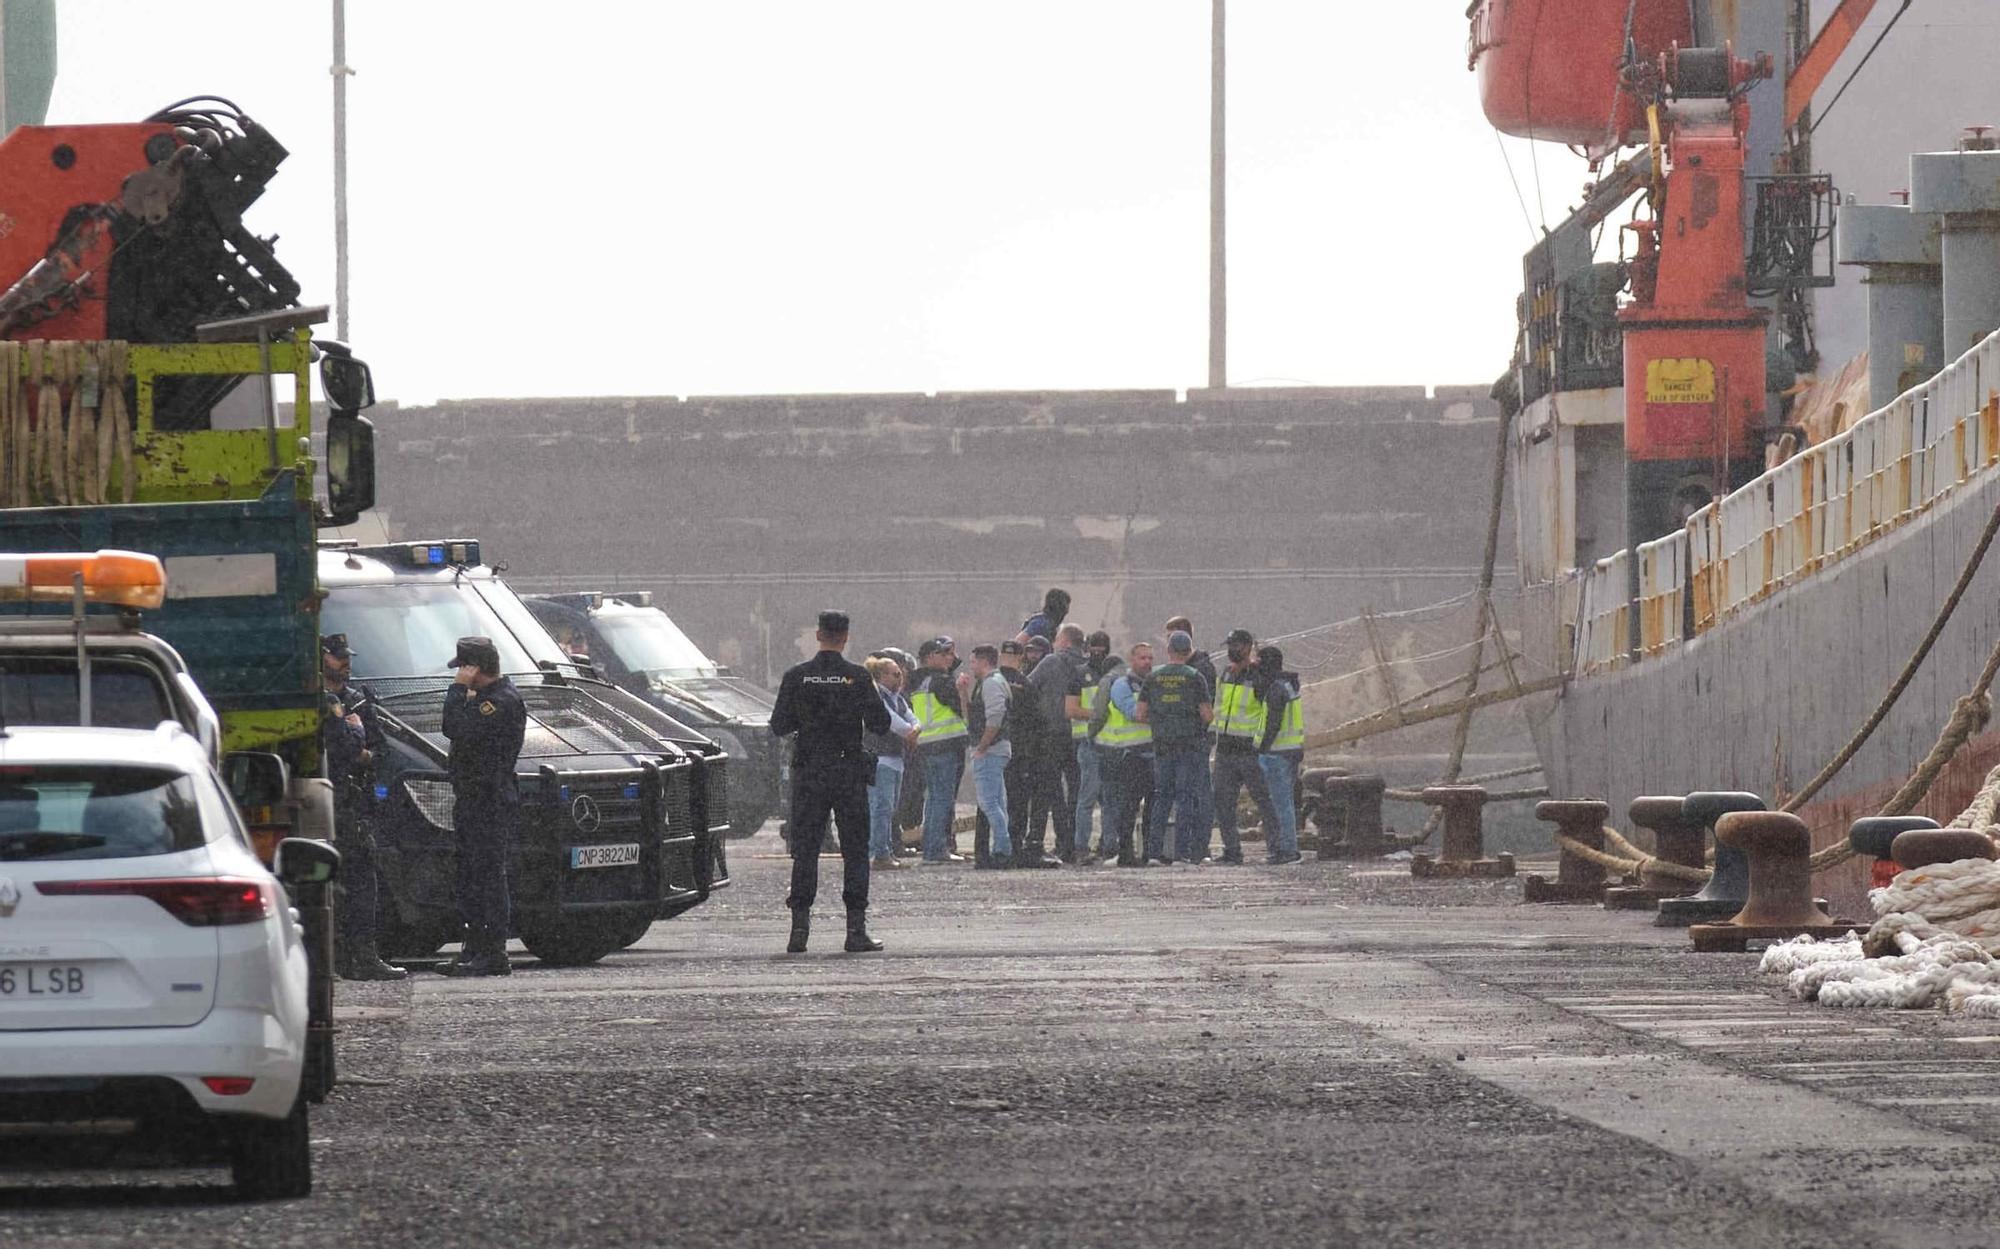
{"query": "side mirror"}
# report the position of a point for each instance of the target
(350, 466)
(305, 861)
(255, 779)
(347, 382)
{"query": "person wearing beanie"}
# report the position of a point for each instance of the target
(1281, 748)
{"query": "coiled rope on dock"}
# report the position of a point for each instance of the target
(1934, 941)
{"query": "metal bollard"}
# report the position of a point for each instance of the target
(1921, 847)
(1777, 846)
(1676, 839)
(1577, 879)
(1873, 835)
(1729, 887)
(1349, 816)
(1464, 846)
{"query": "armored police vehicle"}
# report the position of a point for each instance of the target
(639, 648)
(622, 807)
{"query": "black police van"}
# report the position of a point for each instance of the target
(639, 648)
(623, 808)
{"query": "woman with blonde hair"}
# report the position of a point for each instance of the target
(889, 749)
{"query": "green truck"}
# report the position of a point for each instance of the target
(232, 515)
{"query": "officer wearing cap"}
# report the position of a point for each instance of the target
(1239, 726)
(827, 702)
(351, 735)
(485, 720)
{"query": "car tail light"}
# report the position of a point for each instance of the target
(228, 1086)
(197, 901)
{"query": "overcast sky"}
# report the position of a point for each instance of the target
(762, 196)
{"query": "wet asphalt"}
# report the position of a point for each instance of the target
(1322, 1054)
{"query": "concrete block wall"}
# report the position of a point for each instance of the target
(1273, 509)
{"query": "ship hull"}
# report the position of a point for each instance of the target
(1765, 698)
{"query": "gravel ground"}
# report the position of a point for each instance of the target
(1321, 1054)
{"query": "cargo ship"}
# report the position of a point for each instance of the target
(1755, 395)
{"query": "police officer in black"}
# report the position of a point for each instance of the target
(485, 720)
(351, 736)
(827, 701)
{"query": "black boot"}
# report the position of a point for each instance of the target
(858, 940)
(489, 956)
(357, 960)
(801, 929)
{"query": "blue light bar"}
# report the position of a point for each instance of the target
(381, 793)
(632, 790)
(441, 554)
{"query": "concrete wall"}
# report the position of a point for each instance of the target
(1272, 509)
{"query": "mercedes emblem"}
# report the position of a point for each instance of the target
(586, 814)
(10, 896)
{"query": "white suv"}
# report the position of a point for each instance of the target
(153, 987)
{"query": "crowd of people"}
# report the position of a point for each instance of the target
(1058, 729)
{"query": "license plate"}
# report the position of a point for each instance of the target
(604, 856)
(41, 982)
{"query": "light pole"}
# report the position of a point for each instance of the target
(341, 73)
(1218, 264)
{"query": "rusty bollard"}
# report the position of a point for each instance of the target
(1677, 839)
(1729, 887)
(1778, 848)
(1873, 835)
(1464, 847)
(1349, 817)
(1921, 847)
(1577, 879)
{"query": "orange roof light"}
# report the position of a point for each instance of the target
(121, 578)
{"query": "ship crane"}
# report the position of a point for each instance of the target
(1694, 345)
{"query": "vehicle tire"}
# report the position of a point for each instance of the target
(572, 943)
(271, 1159)
(634, 931)
(749, 821)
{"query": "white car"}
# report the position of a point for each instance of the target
(153, 975)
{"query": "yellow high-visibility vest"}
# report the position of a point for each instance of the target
(1121, 732)
(1291, 726)
(1080, 729)
(1238, 710)
(936, 722)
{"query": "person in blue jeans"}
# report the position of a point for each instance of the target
(889, 750)
(986, 724)
(938, 708)
(1177, 704)
(1093, 787)
(1280, 751)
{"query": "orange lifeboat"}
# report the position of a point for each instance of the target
(1548, 69)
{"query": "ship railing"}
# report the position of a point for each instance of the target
(1835, 497)
(1662, 592)
(1604, 621)
(1818, 507)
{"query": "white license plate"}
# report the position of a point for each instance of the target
(42, 982)
(604, 856)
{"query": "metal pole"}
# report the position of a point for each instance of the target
(6, 121)
(270, 394)
(1218, 267)
(341, 73)
(84, 679)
